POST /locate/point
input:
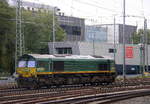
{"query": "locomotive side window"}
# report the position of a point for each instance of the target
(31, 64)
(43, 65)
(22, 64)
(58, 66)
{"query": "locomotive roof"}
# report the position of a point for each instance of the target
(47, 56)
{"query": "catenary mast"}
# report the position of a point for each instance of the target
(19, 34)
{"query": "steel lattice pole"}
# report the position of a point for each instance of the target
(19, 35)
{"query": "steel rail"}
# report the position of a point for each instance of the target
(101, 98)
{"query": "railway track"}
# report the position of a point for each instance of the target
(75, 93)
(101, 98)
(75, 97)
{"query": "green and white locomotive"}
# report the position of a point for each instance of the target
(35, 70)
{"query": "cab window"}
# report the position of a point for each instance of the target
(22, 64)
(31, 63)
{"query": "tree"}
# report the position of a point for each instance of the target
(7, 37)
(38, 31)
(139, 36)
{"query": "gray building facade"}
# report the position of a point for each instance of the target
(96, 34)
(129, 30)
(73, 26)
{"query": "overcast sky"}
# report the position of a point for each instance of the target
(102, 11)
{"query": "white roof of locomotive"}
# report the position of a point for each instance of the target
(68, 56)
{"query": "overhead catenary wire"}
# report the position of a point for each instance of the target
(97, 6)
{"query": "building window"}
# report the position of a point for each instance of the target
(72, 30)
(76, 30)
(64, 50)
(111, 50)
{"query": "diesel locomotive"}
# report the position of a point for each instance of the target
(36, 70)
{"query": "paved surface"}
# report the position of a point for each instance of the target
(138, 100)
(129, 76)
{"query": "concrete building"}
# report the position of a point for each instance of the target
(73, 26)
(31, 5)
(129, 30)
(95, 34)
(105, 33)
(133, 53)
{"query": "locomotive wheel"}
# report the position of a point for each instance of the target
(32, 85)
(96, 79)
(19, 83)
(70, 81)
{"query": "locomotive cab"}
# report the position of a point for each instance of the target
(26, 66)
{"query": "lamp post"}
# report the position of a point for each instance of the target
(142, 66)
(114, 39)
(124, 60)
(144, 50)
(55, 9)
(146, 43)
(53, 30)
(94, 43)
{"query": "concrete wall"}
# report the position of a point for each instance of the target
(102, 49)
(73, 45)
(110, 33)
(96, 34)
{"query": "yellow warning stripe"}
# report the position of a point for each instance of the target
(81, 72)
